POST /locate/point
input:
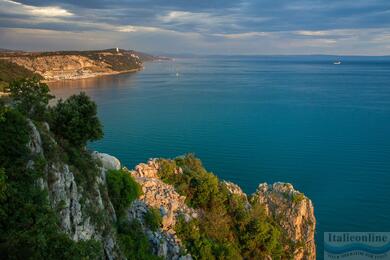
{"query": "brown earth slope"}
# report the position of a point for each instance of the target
(60, 65)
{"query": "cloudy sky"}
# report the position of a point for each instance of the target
(358, 27)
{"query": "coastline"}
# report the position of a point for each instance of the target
(92, 75)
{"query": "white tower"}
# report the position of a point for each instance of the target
(117, 49)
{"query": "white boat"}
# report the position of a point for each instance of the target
(337, 62)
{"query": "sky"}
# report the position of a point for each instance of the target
(339, 27)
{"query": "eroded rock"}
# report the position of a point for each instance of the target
(293, 211)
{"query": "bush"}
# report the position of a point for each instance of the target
(31, 97)
(122, 189)
(75, 120)
(133, 242)
(14, 135)
(153, 219)
(226, 229)
(298, 197)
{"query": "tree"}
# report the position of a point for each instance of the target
(75, 120)
(14, 136)
(31, 97)
(123, 189)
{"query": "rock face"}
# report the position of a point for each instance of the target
(164, 243)
(293, 211)
(66, 197)
(162, 196)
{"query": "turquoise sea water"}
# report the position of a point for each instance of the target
(324, 128)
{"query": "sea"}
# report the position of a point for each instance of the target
(322, 127)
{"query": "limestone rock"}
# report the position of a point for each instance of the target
(171, 204)
(35, 143)
(293, 211)
(109, 162)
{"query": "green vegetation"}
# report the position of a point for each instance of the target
(298, 197)
(75, 120)
(29, 228)
(226, 229)
(10, 71)
(133, 242)
(31, 97)
(153, 219)
(122, 189)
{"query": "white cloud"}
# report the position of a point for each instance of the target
(199, 21)
(242, 35)
(133, 28)
(311, 33)
(13, 7)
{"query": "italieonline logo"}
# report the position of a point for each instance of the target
(357, 245)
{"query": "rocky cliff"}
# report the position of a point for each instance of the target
(86, 215)
(292, 210)
(62, 65)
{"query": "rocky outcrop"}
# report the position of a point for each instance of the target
(70, 202)
(108, 162)
(164, 243)
(157, 194)
(294, 212)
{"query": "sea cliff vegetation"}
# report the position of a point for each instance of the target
(59, 201)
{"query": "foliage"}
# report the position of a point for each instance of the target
(153, 219)
(10, 71)
(133, 242)
(122, 189)
(14, 135)
(31, 97)
(29, 228)
(226, 229)
(75, 120)
(298, 197)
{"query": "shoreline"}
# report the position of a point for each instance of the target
(92, 75)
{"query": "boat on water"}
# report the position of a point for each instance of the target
(338, 62)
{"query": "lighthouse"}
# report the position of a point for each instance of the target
(117, 49)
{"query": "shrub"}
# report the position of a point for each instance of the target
(298, 197)
(226, 229)
(14, 135)
(75, 120)
(167, 170)
(122, 189)
(153, 219)
(133, 242)
(31, 97)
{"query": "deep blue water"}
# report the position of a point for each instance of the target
(324, 128)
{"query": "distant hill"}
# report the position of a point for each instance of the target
(60, 65)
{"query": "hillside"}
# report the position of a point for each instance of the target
(10, 71)
(60, 65)
(59, 200)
